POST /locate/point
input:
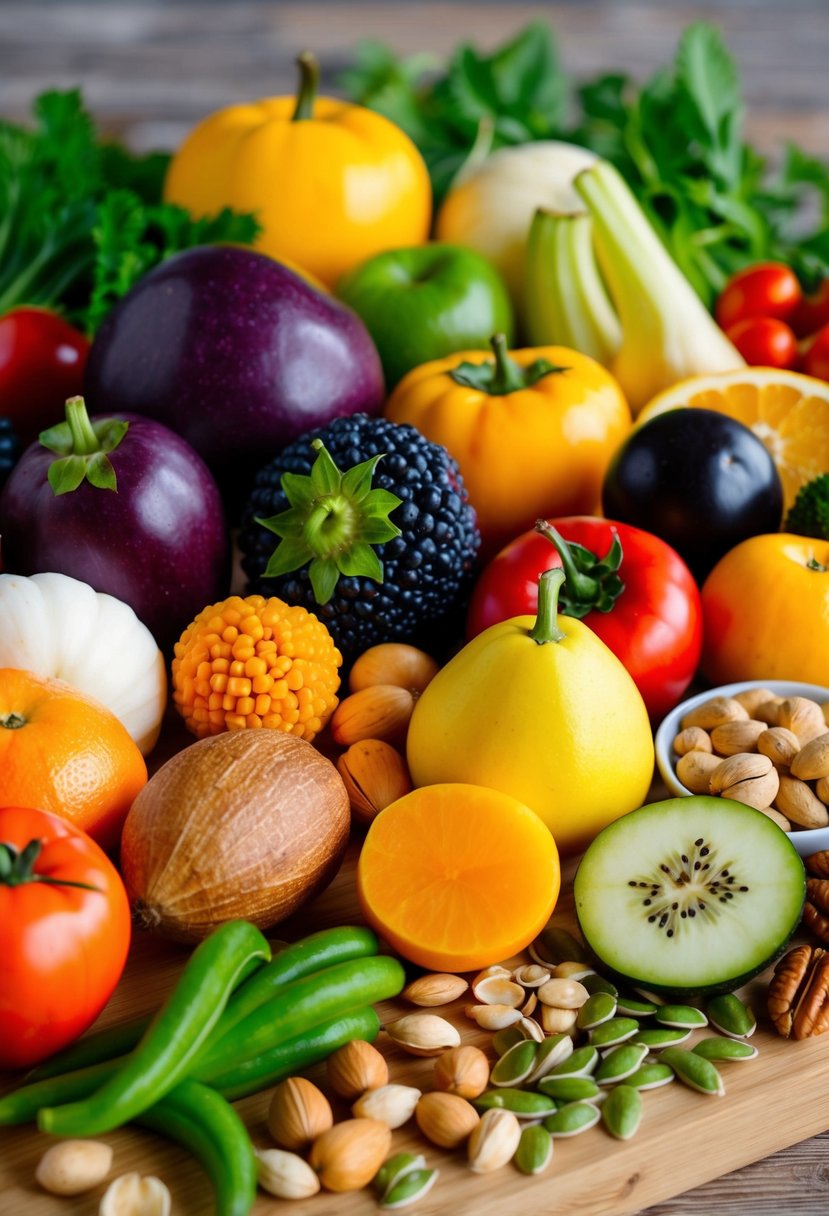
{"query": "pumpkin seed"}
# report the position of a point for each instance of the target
(515, 1065)
(502, 1040)
(408, 1189)
(655, 1038)
(655, 998)
(569, 1089)
(580, 1063)
(556, 945)
(730, 1016)
(572, 1120)
(650, 1076)
(597, 983)
(620, 1063)
(535, 1150)
(717, 1048)
(614, 1031)
(630, 1007)
(694, 1071)
(598, 1008)
(682, 1017)
(622, 1112)
(391, 1171)
(522, 1102)
(554, 1052)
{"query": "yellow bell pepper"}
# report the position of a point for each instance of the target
(544, 711)
(331, 183)
(533, 431)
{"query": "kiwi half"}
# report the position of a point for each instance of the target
(689, 895)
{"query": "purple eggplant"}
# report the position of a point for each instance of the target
(126, 505)
(235, 352)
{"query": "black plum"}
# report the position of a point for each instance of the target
(700, 480)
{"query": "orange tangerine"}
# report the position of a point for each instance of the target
(788, 411)
(456, 877)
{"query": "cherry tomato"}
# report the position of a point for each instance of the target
(63, 945)
(654, 625)
(812, 313)
(42, 361)
(770, 289)
(764, 342)
(815, 357)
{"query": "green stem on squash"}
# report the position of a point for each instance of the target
(546, 627)
(84, 440)
(502, 375)
(309, 79)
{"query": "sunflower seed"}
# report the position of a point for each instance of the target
(655, 1038)
(716, 1048)
(621, 1113)
(620, 1063)
(650, 1076)
(569, 1089)
(554, 1052)
(522, 1102)
(535, 1150)
(598, 1008)
(614, 1031)
(572, 1120)
(580, 1063)
(694, 1071)
(682, 1017)
(502, 1040)
(515, 1065)
(412, 1186)
(730, 1016)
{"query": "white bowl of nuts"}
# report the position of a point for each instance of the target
(762, 742)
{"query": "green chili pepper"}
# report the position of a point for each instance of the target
(172, 1040)
(198, 1118)
(22, 1105)
(310, 954)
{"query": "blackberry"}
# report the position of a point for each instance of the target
(9, 449)
(423, 543)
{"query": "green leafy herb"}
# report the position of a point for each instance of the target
(80, 220)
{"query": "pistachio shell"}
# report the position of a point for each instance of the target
(285, 1175)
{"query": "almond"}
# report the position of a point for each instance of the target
(694, 770)
(298, 1113)
(393, 663)
(374, 775)
(438, 988)
(349, 1154)
(812, 761)
(463, 1071)
(356, 1067)
(445, 1119)
(800, 804)
(803, 716)
(379, 712)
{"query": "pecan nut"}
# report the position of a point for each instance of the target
(816, 908)
(798, 996)
(818, 864)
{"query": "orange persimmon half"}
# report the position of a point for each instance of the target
(456, 877)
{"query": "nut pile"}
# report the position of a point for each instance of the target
(74, 1167)
(816, 908)
(769, 752)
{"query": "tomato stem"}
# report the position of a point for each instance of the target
(591, 584)
(17, 868)
(546, 627)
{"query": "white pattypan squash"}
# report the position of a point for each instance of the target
(59, 627)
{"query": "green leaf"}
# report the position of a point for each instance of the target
(287, 523)
(100, 473)
(292, 554)
(324, 575)
(378, 531)
(360, 562)
(356, 482)
(708, 75)
(380, 505)
(109, 432)
(57, 438)
(325, 476)
(66, 474)
(298, 490)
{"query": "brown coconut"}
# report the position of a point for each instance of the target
(248, 824)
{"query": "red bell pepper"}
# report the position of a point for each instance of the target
(639, 597)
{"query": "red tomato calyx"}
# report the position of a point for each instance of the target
(17, 867)
(591, 584)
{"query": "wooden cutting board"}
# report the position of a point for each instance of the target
(685, 1138)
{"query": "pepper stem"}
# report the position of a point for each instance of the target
(84, 440)
(546, 627)
(309, 79)
(580, 585)
(507, 377)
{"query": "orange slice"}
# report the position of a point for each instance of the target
(789, 412)
(456, 877)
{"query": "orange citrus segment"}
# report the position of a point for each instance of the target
(456, 877)
(788, 411)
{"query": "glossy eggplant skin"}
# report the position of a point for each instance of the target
(159, 542)
(236, 353)
(698, 479)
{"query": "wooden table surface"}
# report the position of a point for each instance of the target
(150, 69)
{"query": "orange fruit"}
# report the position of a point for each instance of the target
(456, 877)
(788, 411)
(62, 751)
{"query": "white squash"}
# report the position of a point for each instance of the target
(57, 626)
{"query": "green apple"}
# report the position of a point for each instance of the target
(426, 302)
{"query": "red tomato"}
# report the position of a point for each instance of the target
(770, 289)
(42, 360)
(812, 313)
(655, 624)
(62, 947)
(815, 359)
(764, 342)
